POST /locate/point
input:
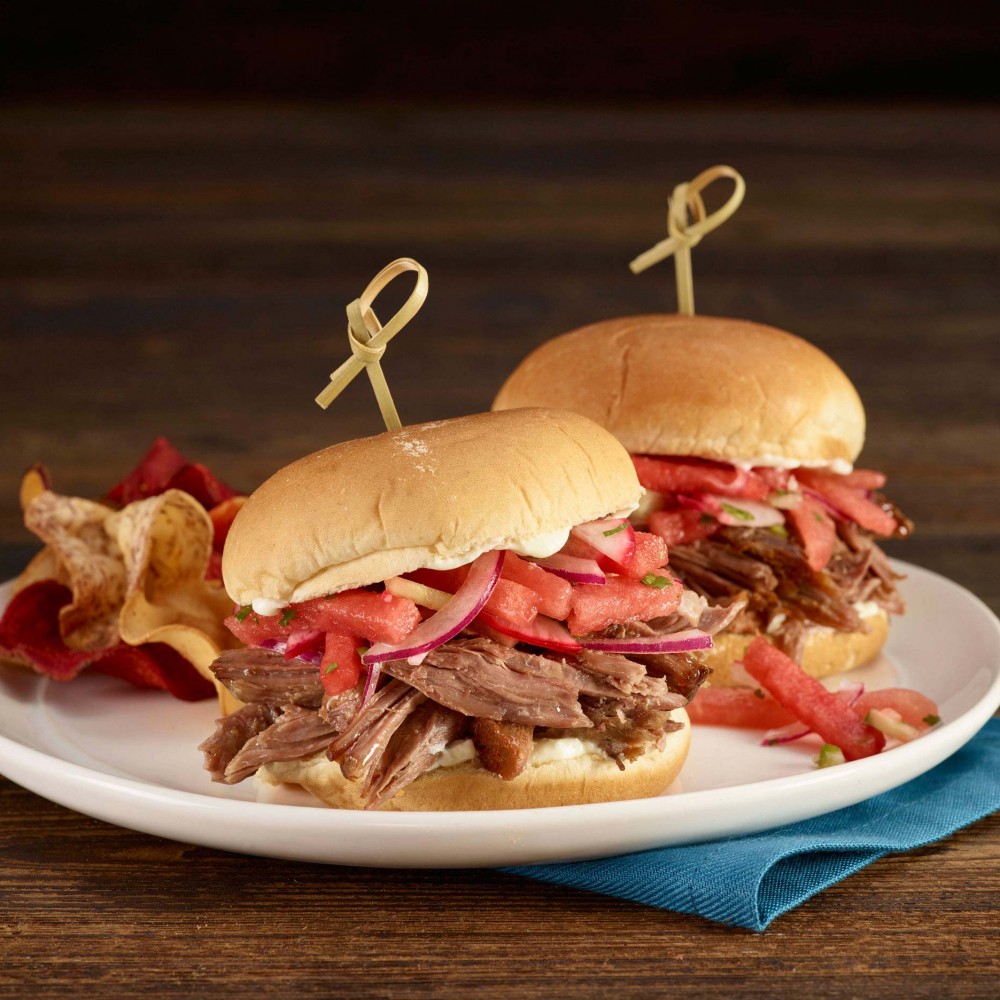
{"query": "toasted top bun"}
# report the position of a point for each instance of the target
(366, 510)
(724, 389)
(593, 777)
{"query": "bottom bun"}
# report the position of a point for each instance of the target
(591, 777)
(827, 651)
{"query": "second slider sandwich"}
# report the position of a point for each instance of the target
(744, 437)
(457, 615)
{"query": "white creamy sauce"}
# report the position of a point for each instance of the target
(538, 547)
(266, 607)
(838, 465)
(865, 609)
(544, 752)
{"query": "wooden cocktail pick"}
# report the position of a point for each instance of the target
(687, 223)
(368, 338)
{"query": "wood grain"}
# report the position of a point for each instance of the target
(183, 270)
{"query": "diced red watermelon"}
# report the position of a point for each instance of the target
(681, 527)
(810, 702)
(509, 600)
(915, 708)
(378, 617)
(864, 479)
(650, 554)
(554, 594)
(340, 668)
(621, 600)
(742, 707)
(851, 502)
(816, 531)
(544, 632)
(774, 479)
(692, 475)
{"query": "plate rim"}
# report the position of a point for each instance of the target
(882, 772)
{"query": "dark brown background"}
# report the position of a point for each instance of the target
(176, 250)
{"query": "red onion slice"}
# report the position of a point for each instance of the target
(543, 631)
(613, 537)
(574, 569)
(735, 511)
(678, 642)
(467, 602)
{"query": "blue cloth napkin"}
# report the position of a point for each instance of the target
(748, 881)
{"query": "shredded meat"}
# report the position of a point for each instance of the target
(339, 709)
(416, 745)
(258, 675)
(769, 575)
(503, 747)
(360, 748)
(297, 733)
(231, 734)
(484, 680)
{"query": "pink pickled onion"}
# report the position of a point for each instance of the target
(574, 569)
(613, 537)
(735, 511)
(678, 642)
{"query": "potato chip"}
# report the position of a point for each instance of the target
(91, 562)
(135, 575)
(166, 543)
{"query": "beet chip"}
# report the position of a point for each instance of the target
(151, 476)
(29, 634)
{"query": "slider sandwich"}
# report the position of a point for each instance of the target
(457, 615)
(744, 438)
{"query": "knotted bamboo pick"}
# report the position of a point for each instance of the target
(368, 338)
(684, 202)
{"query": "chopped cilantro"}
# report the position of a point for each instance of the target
(738, 512)
(778, 529)
(243, 612)
(707, 518)
(783, 493)
(819, 517)
(362, 650)
(652, 580)
(932, 720)
(330, 669)
(287, 618)
(830, 756)
(614, 531)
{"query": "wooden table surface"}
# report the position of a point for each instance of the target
(184, 271)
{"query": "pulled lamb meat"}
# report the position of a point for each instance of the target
(232, 733)
(296, 733)
(504, 748)
(359, 749)
(258, 675)
(485, 680)
(781, 594)
(413, 751)
(474, 687)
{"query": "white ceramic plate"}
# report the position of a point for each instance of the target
(128, 757)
